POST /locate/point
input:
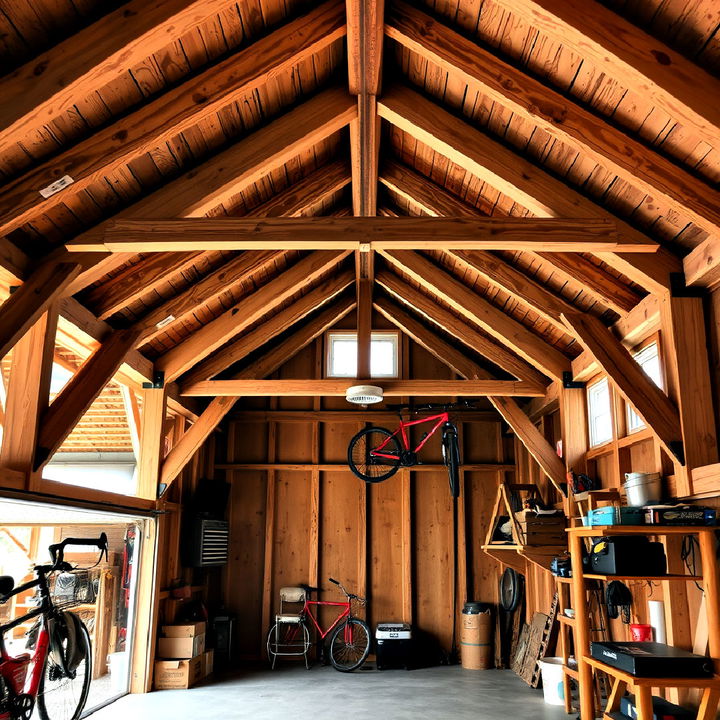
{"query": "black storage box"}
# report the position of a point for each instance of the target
(650, 659)
(662, 709)
(393, 645)
(627, 555)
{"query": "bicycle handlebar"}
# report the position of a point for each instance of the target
(351, 596)
(432, 406)
(57, 551)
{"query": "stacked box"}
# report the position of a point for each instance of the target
(183, 660)
(542, 530)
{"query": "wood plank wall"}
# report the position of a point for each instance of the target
(393, 541)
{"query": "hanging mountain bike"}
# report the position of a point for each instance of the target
(375, 454)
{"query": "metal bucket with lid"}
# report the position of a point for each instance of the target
(642, 488)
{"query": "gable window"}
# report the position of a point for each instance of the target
(342, 354)
(600, 420)
(649, 360)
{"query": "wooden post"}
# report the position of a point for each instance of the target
(573, 420)
(582, 635)
(151, 441)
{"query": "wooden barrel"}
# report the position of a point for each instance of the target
(476, 650)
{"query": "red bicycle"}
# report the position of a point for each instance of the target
(290, 635)
(375, 453)
(57, 670)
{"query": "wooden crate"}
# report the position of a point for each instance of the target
(542, 530)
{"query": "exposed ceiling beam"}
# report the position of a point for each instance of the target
(277, 323)
(436, 201)
(191, 441)
(148, 235)
(338, 388)
(48, 85)
(459, 328)
(546, 358)
(25, 306)
(171, 114)
(626, 53)
(212, 335)
(572, 124)
(702, 265)
(214, 182)
(514, 176)
(631, 381)
(154, 271)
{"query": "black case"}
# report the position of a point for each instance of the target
(649, 659)
(627, 555)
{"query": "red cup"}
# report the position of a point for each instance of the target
(641, 633)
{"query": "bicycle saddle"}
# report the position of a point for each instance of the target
(309, 589)
(7, 584)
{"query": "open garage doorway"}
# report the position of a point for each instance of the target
(101, 591)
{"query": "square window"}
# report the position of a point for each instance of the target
(649, 360)
(600, 419)
(342, 354)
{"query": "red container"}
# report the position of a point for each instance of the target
(641, 633)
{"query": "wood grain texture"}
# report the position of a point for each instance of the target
(180, 109)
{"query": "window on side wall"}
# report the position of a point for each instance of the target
(342, 354)
(600, 420)
(649, 360)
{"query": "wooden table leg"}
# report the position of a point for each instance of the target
(643, 700)
(618, 690)
(709, 704)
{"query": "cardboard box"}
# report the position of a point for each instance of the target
(208, 659)
(181, 631)
(181, 648)
(178, 674)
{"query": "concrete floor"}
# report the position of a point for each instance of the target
(322, 693)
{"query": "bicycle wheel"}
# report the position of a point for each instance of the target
(350, 645)
(287, 639)
(451, 456)
(367, 466)
(62, 697)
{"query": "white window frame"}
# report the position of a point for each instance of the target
(594, 439)
(393, 335)
(634, 421)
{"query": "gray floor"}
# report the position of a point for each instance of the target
(325, 694)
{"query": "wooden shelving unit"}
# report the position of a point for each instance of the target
(623, 681)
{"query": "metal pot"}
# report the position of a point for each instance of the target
(642, 488)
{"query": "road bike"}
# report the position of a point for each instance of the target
(376, 453)
(55, 671)
(349, 642)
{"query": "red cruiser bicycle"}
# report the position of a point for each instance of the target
(290, 635)
(375, 454)
(57, 670)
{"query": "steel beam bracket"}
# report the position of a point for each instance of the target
(570, 384)
(158, 381)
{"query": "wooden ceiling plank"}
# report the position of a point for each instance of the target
(625, 52)
(437, 202)
(29, 301)
(497, 272)
(277, 323)
(150, 235)
(80, 392)
(48, 85)
(546, 358)
(649, 401)
(520, 180)
(217, 332)
(171, 114)
(569, 122)
(226, 278)
(192, 440)
(338, 387)
(153, 271)
(203, 189)
(459, 328)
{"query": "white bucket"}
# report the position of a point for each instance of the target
(552, 680)
(118, 664)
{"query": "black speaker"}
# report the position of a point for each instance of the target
(223, 626)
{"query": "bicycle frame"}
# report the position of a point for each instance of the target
(401, 432)
(324, 633)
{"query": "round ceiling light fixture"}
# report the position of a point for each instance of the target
(364, 394)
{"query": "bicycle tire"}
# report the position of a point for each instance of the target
(343, 654)
(287, 639)
(358, 454)
(510, 590)
(451, 456)
(74, 705)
